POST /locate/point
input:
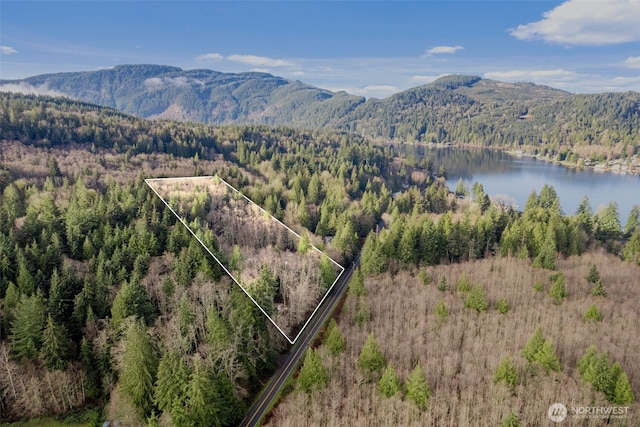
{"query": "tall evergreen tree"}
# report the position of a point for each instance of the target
(313, 375)
(372, 260)
(92, 378)
(418, 390)
(236, 259)
(304, 245)
(633, 221)
(363, 314)
(506, 373)
(389, 385)
(327, 271)
(313, 190)
(172, 386)
(548, 252)
(632, 248)
(608, 223)
(371, 359)
(585, 216)
(139, 367)
(131, 300)
(26, 331)
(558, 291)
(203, 398)
(533, 346)
(477, 300)
(55, 345)
(356, 284)
(333, 338)
(623, 393)
(217, 330)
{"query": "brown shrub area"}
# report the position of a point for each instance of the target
(29, 390)
(460, 355)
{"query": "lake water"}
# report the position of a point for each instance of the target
(506, 175)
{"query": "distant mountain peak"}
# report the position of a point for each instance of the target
(448, 109)
(453, 81)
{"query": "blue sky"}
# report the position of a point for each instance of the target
(366, 48)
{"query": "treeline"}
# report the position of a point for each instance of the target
(453, 109)
(467, 110)
(540, 233)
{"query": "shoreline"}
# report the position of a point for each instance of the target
(629, 167)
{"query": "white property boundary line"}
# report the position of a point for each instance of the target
(148, 182)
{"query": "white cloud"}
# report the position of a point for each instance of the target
(443, 49)
(538, 76)
(632, 62)
(153, 82)
(209, 57)
(158, 82)
(380, 88)
(298, 73)
(28, 89)
(7, 50)
(260, 61)
(630, 83)
(427, 79)
(583, 22)
(179, 81)
(260, 70)
(378, 91)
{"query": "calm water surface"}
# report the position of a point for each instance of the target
(506, 175)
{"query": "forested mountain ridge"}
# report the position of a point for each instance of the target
(453, 109)
(156, 91)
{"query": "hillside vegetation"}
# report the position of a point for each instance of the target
(106, 301)
(577, 128)
(156, 91)
(460, 348)
(108, 305)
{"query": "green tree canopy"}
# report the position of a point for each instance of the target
(139, 367)
(418, 390)
(389, 385)
(372, 260)
(371, 359)
(477, 300)
(27, 328)
(506, 373)
(333, 338)
(313, 374)
(55, 345)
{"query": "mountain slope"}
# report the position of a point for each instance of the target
(453, 109)
(156, 91)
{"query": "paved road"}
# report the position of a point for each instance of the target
(259, 408)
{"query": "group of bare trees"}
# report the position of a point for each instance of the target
(248, 239)
(461, 351)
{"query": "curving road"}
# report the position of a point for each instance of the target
(260, 407)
